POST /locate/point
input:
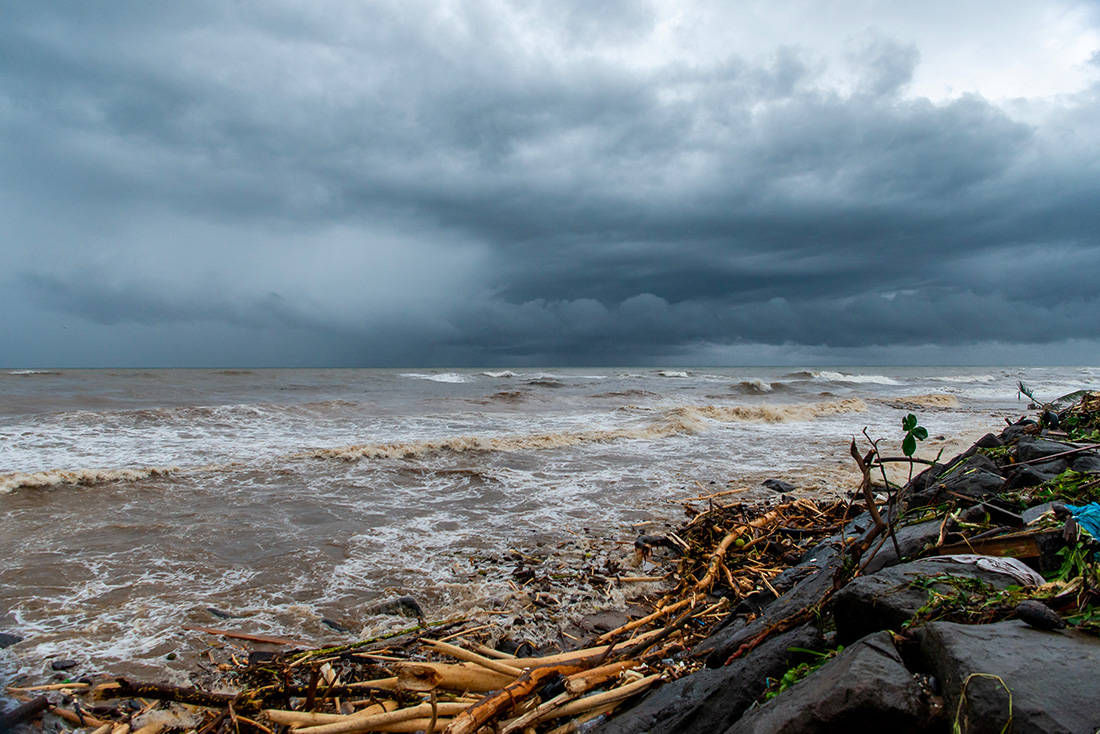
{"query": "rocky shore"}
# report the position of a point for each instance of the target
(979, 614)
(965, 598)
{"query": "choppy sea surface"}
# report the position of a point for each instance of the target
(134, 502)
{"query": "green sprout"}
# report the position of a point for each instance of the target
(913, 433)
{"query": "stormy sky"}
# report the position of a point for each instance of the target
(525, 182)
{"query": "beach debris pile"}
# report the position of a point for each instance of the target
(445, 676)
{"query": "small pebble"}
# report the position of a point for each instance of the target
(62, 664)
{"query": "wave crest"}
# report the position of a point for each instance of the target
(78, 477)
(682, 420)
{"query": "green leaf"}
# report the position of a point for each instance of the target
(909, 445)
(920, 433)
(909, 422)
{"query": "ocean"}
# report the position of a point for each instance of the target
(136, 502)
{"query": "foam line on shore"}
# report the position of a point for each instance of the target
(673, 421)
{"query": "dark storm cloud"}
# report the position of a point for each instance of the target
(564, 196)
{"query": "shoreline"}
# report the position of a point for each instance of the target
(609, 617)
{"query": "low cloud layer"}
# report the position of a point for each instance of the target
(547, 183)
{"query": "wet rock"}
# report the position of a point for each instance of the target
(912, 540)
(726, 641)
(332, 624)
(1020, 429)
(1086, 462)
(1030, 449)
(1032, 475)
(1039, 615)
(979, 512)
(777, 485)
(402, 606)
(7, 639)
(711, 700)
(865, 688)
(222, 614)
(989, 441)
(63, 664)
(888, 599)
(923, 480)
(977, 476)
(1051, 675)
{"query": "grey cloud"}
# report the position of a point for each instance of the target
(103, 302)
(615, 207)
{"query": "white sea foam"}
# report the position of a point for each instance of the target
(966, 379)
(684, 419)
(453, 377)
(858, 379)
(501, 374)
(671, 373)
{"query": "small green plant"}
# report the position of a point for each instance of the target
(913, 432)
(798, 672)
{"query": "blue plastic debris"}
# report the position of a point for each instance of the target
(1087, 517)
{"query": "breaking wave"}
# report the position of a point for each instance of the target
(670, 422)
(755, 387)
(931, 400)
(682, 420)
(857, 379)
(78, 477)
(453, 377)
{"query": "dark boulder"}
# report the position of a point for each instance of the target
(1032, 475)
(912, 540)
(1052, 676)
(1030, 449)
(778, 485)
(1086, 462)
(805, 594)
(711, 700)
(923, 480)
(977, 476)
(989, 441)
(866, 688)
(1020, 429)
(888, 599)
(7, 640)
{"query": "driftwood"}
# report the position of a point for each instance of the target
(244, 636)
(707, 581)
(123, 688)
(456, 676)
(23, 713)
(491, 707)
(356, 723)
(307, 718)
(614, 695)
(472, 657)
